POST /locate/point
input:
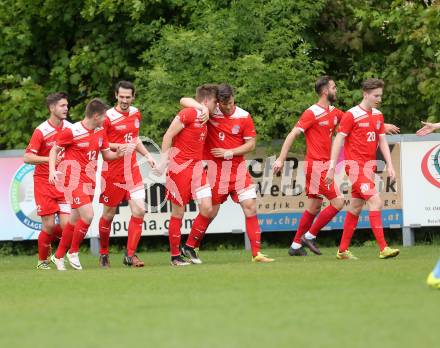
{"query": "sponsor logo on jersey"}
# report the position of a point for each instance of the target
(323, 123)
(83, 144)
(235, 129)
(364, 124)
(122, 126)
(51, 143)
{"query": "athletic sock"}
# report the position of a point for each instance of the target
(304, 225)
(174, 235)
(324, 217)
(104, 235)
(254, 233)
(296, 245)
(376, 226)
(79, 233)
(350, 224)
(57, 232)
(134, 234)
(43, 245)
(198, 230)
(65, 241)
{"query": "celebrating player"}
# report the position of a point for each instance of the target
(186, 178)
(361, 131)
(81, 143)
(317, 123)
(123, 178)
(48, 199)
(231, 134)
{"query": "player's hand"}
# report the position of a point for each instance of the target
(53, 176)
(391, 173)
(330, 177)
(151, 161)
(391, 129)
(204, 117)
(120, 151)
(160, 168)
(218, 152)
(277, 166)
(122, 147)
(426, 129)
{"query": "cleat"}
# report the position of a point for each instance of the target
(133, 261)
(432, 281)
(43, 265)
(297, 252)
(73, 259)
(191, 254)
(311, 244)
(388, 252)
(346, 255)
(179, 261)
(59, 263)
(262, 258)
(104, 261)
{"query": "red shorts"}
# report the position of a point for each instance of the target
(316, 188)
(187, 184)
(48, 199)
(362, 182)
(116, 190)
(82, 195)
(230, 179)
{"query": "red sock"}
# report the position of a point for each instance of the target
(104, 235)
(304, 225)
(174, 235)
(66, 241)
(57, 232)
(323, 219)
(376, 226)
(43, 245)
(79, 233)
(350, 224)
(134, 234)
(198, 230)
(254, 234)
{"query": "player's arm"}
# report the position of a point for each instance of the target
(167, 142)
(385, 149)
(391, 129)
(192, 103)
(144, 152)
(31, 158)
(248, 146)
(53, 155)
(338, 143)
(34, 146)
(109, 155)
(428, 128)
(288, 142)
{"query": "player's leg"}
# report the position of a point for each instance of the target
(375, 214)
(105, 223)
(44, 240)
(350, 223)
(313, 207)
(174, 234)
(66, 240)
(434, 277)
(137, 207)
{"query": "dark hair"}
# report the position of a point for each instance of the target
(54, 98)
(322, 82)
(125, 85)
(95, 106)
(372, 83)
(224, 92)
(206, 91)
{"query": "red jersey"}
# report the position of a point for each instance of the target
(83, 146)
(42, 140)
(189, 142)
(318, 125)
(361, 129)
(121, 128)
(228, 132)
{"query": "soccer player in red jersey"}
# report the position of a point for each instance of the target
(48, 199)
(81, 143)
(123, 178)
(360, 132)
(231, 134)
(182, 146)
(317, 123)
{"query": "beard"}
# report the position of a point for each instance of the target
(331, 98)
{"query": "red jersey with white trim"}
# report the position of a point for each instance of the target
(42, 140)
(228, 132)
(188, 144)
(121, 128)
(362, 129)
(318, 125)
(83, 146)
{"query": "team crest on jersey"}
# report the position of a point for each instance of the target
(378, 125)
(235, 129)
(100, 142)
(335, 121)
(136, 123)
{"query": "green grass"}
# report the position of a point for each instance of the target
(226, 302)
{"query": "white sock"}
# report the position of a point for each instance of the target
(309, 236)
(296, 245)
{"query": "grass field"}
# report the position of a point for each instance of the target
(226, 302)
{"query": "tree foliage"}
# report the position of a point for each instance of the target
(270, 51)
